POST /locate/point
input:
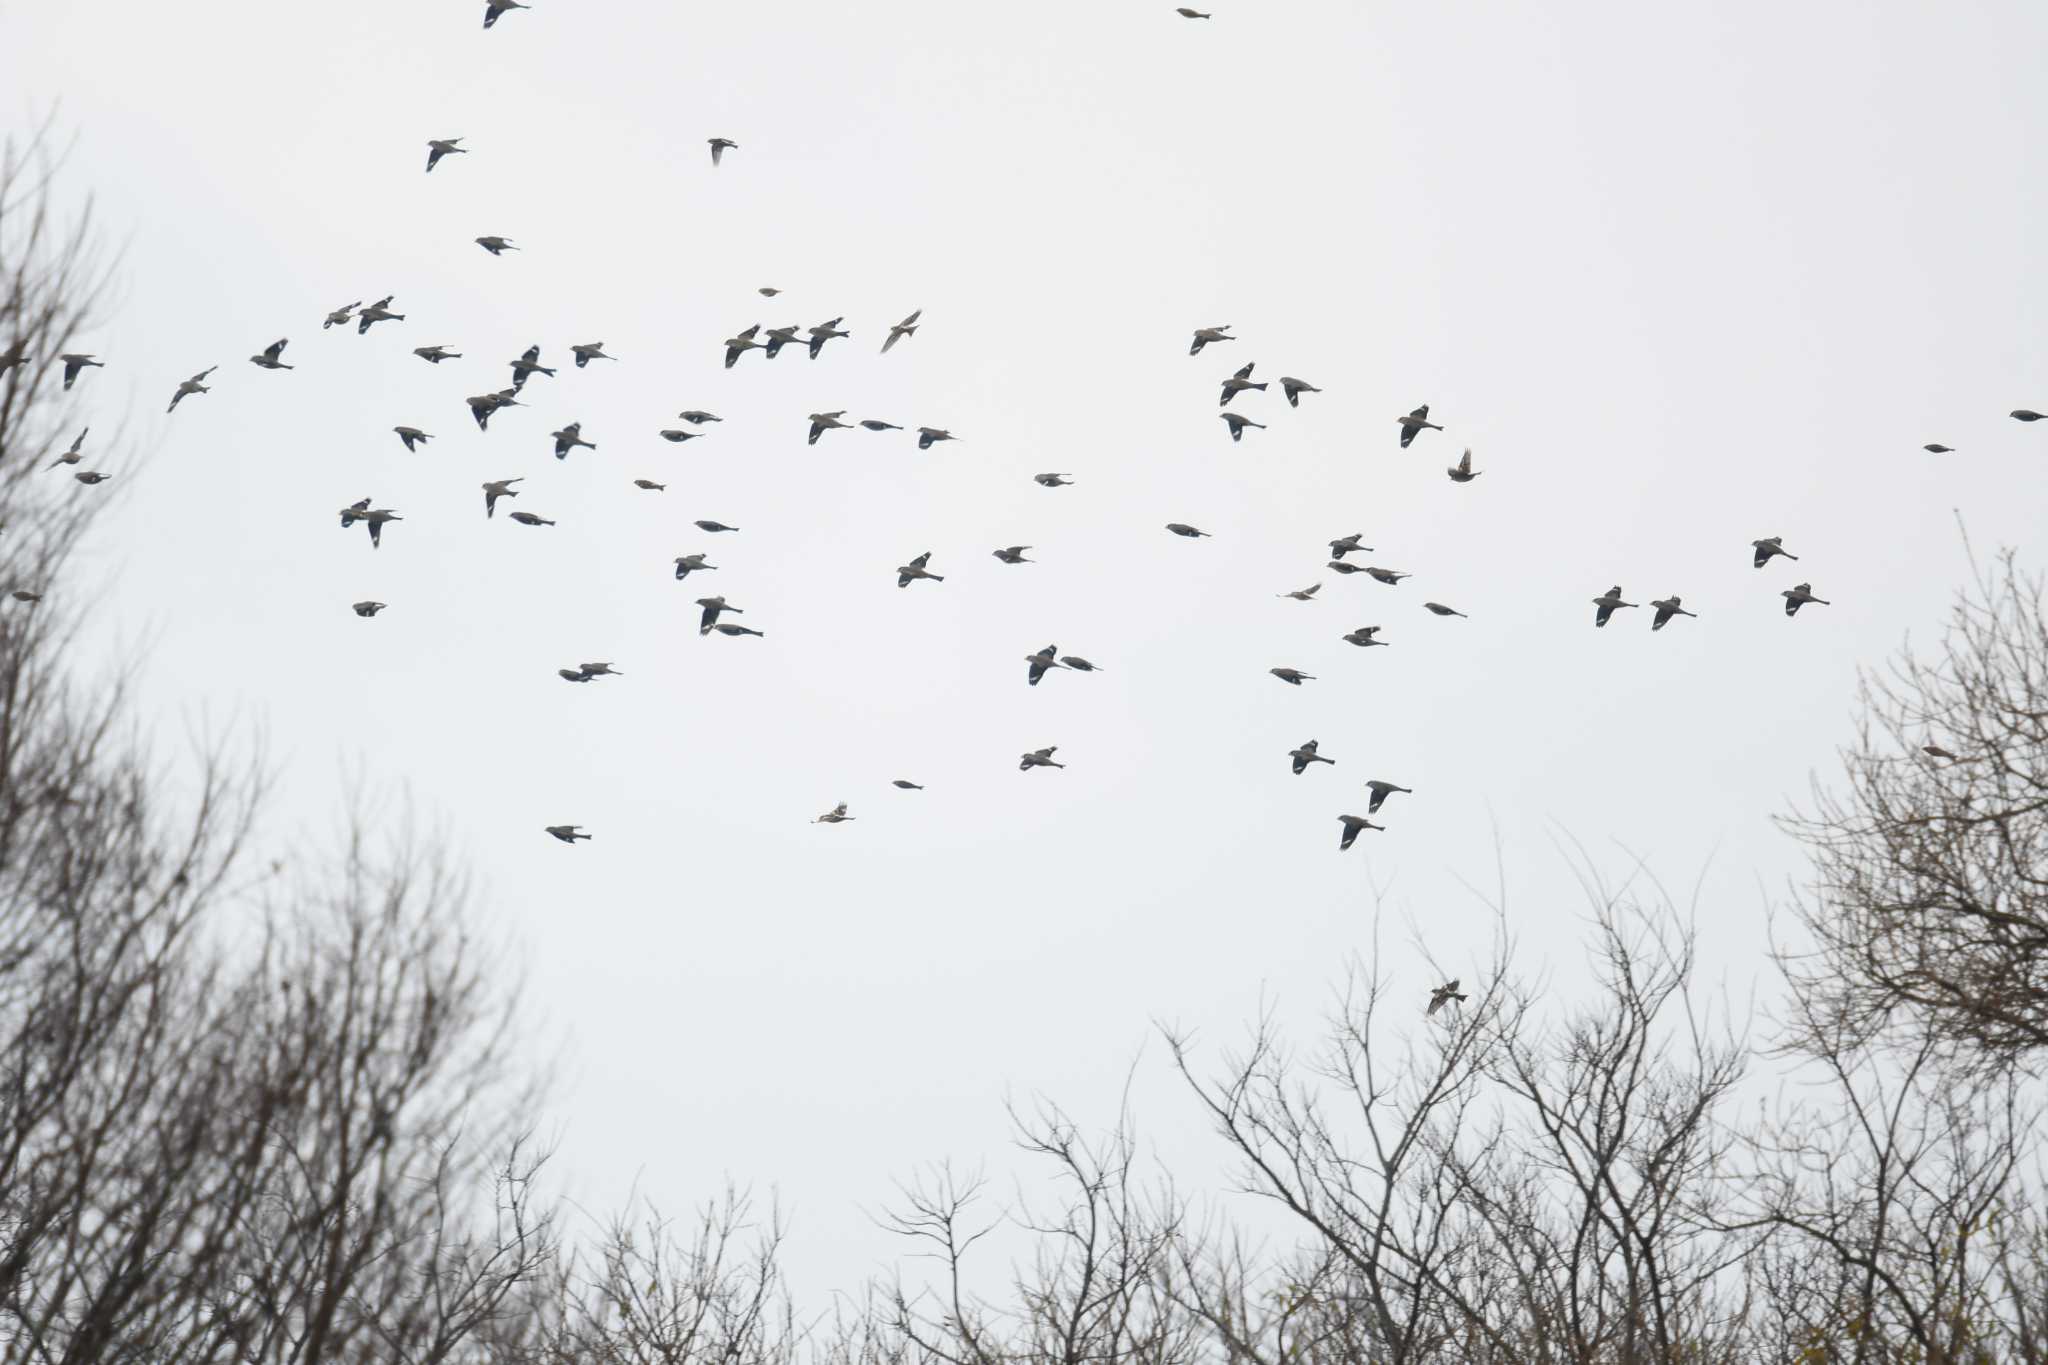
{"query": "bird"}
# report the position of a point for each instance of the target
(1352, 824)
(191, 386)
(767, 291)
(1306, 755)
(434, 355)
(905, 784)
(1237, 384)
(372, 517)
(1013, 554)
(2027, 415)
(75, 453)
(1606, 604)
(698, 417)
(1364, 637)
(589, 351)
(689, 564)
(823, 333)
(1439, 996)
(1387, 576)
(714, 607)
(713, 526)
(822, 422)
(24, 595)
(340, 317)
(413, 437)
(1344, 545)
(1936, 751)
(1079, 664)
(737, 346)
(492, 9)
(496, 245)
(75, 364)
(499, 488)
(907, 327)
(574, 675)
(1041, 661)
(650, 486)
(17, 354)
(1295, 388)
(1769, 547)
(1184, 12)
(528, 365)
(1380, 792)
(728, 628)
(1344, 566)
(927, 435)
(1306, 594)
(380, 311)
(1415, 421)
(1798, 596)
(601, 670)
(1181, 528)
(568, 438)
(1937, 448)
(568, 834)
(678, 435)
(874, 424)
(1039, 758)
(915, 569)
(530, 519)
(1052, 480)
(89, 477)
(1441, 610)
(1205, 335)
(482, 405)
(834, 816)
(1237, 422)
(366, 608)
(1292, 676)
(718, 146)
(1462, 471)
(779, 337)
(1667, 607)
(438, 147)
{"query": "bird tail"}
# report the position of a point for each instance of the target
(937, 577)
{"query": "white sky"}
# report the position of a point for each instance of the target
(1681, 279)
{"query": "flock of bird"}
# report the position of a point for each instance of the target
(917, 569)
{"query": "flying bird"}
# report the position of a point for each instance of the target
(1937, 448)
(714, 607)
(1441, 610)
(1352, 824)
(413, 437)
(1186, 13)
(1380, 792)
(1306, 594)
(915, 569)
(499, 488)
(1344, 566)
(438, 147)
(191, 386)
(1181, 528)
(434, 355)
(1052, 480)
(1607, 603)
(1237, 384)
(1462, 471)
(834, 816)
(1387, 576)
(269, 358)
(587, 352)
(2027, 415)
(496, 245)
(779, 337)
(1306, 755)
(698, 417)
(718, 146)
(528, 365)
(1295, 388)
(823, 333)
(730, 629)
(767, 291)
(601, 670)
(875, 424)
(574, 675)
(568, 834)
(822, 422)
(492, 9)
(1364, 637)
(1079, 664)
(340, 317)
(75, 364)
(689, 564)
(1667, 607)
(530, 519)
(568, 438)
(1769, 547)
(678, 435)
(1039, 758)
(1415, 421)
(905, 784)
(907, 327)
(1013, 554)
(482, 405)
(737, 346)
(1041, 661)
(75, 453)
(650, 486)
(1292, 676)
(1205, 335)
(927, 435)
(371, 517)
(1346, 544)
(89, 477)
(380, 311)
(1439, 996)
(713, 526)
(1237, 422)
(366, 608)
(1798, 596)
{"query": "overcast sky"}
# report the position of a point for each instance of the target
(1679, 277)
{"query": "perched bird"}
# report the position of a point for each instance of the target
(1439, 996)
(499, 488)
(698, 417)
(713, 526)
(678, 435)
(915, 569)
(905, 784)
(1364, 637)
(589, 351)
(1205, 335)
(737, 346)
(718, 146)
(380, 311)
(834, 816)
(191, 386)
(907, 327)
(1769, 547)
(823, 333)
(341, 316)
(528, 365)
(873, 424)
(1606, 604)
(366, 608)
(1387, 576)
(1079, 664)
(714, 607)
(1415, 421)
(779, 337)
(1352, 824)
(1052, 480)
(601, 670)
(1041, 661)
(1295, 388)
(1380, 792)
(1798, 596)
(413, 437)
(496, 245)
(822, 422)
(1292, 676)
(927, 435)
(568, 834)
(1013, 554)
(1306, 755)
(530, 519)
(1186, 13)
(371, 517)
(1462, 471)
(1237, 422)
(1306, 594)
(438, 147)
(1666, 608)
(269, 358)
(1237, 384)
(1181, 528)
(2027, 415)
(1441, 610)
(75, 453)
(689, 564)
(89, 477)
(650, 486)
(1937, 448)
(568, 438)
(75, 364)
(1344, 566)
(1039, 758)
(1344, 545)
(434, 355)
(728, 628)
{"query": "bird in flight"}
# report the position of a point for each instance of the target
(1041, 661)
(907, 327)
(494, 8)
(689, 564)
(1293, 676)
(438, 147)
(1039, 758)
(822, 422)
(75, 364)
(836, 815)
(1462, 471)
(650, 486)
(1439, 996)
(587, 352)
(1352, 824)
(366, 609)
(708, 525)
(1666, 608)
(191, 386)
(340, 316)
(1606, 604)
(1181, 528)
(1380, 792)
(568, 438)
(1387, 576)
(89, 477)
(1344, 545)
(1306, 755)
(1184, 12)
(927, 436)
(380, 311)
(823, 333)
(915, 569)
(876, 424)
(530, 519)
(1365, 637)
(2027, 415)
(1079, 664)
(906, 784)
(735, 347)
(1237, 422)
(714, 607)
(1441, 610)
(728, 628)
(413, 437)
(496, 245)
(1798, 596)
(718, 146)
(435, 354)
(1768, 548)
(1013, 554)
(528, 365)
(1052, 480)
(499, 488)
(371, 517)
(698, 417)
(568, 834)
(1415, 421)
(1937, 448)
(678, 435)
(1237, 384)
(1295, 388)
(75, 453)
(1205, 335)
(1306, 594)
